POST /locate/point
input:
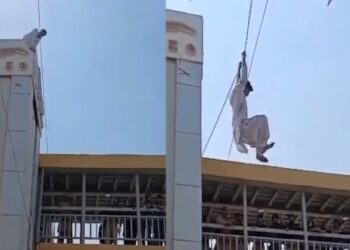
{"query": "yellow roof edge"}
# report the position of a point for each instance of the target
(252, 173)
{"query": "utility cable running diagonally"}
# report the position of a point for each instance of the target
(232, 84)
(220, 113)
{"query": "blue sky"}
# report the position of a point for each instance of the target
(115, 103)
(104, 71)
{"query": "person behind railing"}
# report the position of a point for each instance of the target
(155, 223)
(276, 223)
(107, 232)
(160, 233)
(260, 220)
(130, 228)
(208, 236)
(314, 226)
(336, 226)
(225, 241)
(130, 223)
(33, 38)
(65, 223)
(238, 220)
(290, 223)
(46, 232)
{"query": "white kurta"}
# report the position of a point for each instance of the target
(253, 131)
(32, 39)
(240, 113)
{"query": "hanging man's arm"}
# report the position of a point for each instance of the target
(239, 71)
(244, 69)
(237, 102)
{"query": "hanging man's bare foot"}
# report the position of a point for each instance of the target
(267, 147)
(261, 158)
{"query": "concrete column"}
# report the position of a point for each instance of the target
(304, 216)
(138, 209)
(39, 198)
(19, 144)
(83, 208)
(183, 160)
(245, 218)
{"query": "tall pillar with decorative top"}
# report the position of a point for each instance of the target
(21, 111)
(183, 153)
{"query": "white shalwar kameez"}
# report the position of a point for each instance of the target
(32, 39)
(252, 131)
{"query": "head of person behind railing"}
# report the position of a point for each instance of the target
(115, 202)
(154, 201)
(160, 201)
(260, 220)
(131, 203)
(239, 219)
(290, 222)
(66, 201)
(147, 202)
(65, 222)
(336, 226)
(226, 219)
(108, 231)
(277, 222)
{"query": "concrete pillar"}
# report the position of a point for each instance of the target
(245, 218)
(183, 131)
(20, 127)
(83, 208)
(304, 216)
(138, 209)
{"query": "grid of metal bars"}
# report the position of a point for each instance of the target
(113, 209)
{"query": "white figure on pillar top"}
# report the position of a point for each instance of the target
(33, 38)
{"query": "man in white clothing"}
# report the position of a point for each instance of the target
(33, 38)
(252, 131)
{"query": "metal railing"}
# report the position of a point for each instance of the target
(212, 241)
(123, 230)
(102, 229)
(221, 241)
(60, 228)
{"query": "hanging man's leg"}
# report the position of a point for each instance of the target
(256, 133)
(263, 135)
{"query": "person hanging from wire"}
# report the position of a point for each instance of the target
(252, 131)
(33, 38)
